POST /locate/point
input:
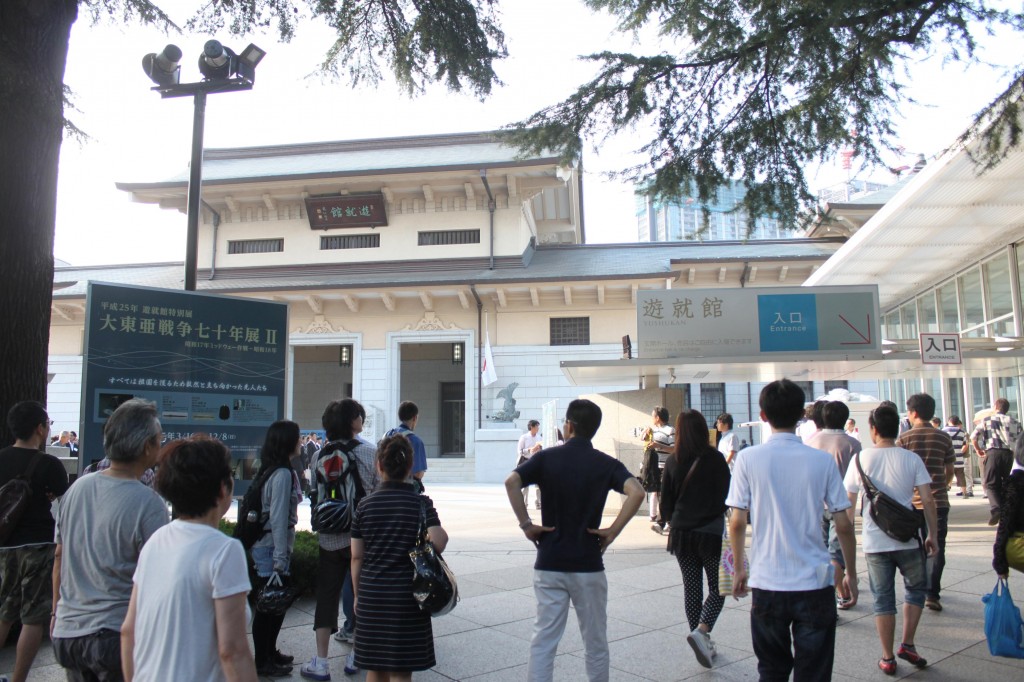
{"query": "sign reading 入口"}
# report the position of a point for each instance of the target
(940, 349)
(212, 364)
(745, 322)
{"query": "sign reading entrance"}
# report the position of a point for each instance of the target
(212, 364)
(745, 322)
(940, 349)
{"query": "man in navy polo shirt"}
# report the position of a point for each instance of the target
(574, 480)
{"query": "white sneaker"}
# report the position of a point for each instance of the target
(316, 670)
(700, 642)
(350, 663)
(345, 636)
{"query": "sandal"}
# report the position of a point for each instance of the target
(843, 604)
(909, 654)
(887, 665)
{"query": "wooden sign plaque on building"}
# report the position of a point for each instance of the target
(346, 210)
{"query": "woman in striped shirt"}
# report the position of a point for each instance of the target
(394, 637)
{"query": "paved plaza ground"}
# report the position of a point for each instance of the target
(486, 638)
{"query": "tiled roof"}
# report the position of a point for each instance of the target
(546, 264)
(355, 157)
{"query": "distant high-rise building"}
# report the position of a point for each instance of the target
(683, 220)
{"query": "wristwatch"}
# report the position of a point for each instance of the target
(526, 524)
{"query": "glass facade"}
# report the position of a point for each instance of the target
(684, 220)
(978, 302)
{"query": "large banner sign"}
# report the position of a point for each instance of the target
(212, 364)
(800, 321)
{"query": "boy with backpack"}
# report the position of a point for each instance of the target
(345, 471)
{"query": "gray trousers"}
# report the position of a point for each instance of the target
(588, 593)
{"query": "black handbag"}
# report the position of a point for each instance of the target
(276, 597)
(433, 583)
(894, 519)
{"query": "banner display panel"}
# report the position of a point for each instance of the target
(212, 364)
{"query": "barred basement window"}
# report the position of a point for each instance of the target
(808, 389)
(570, 331)
(448, 237)
(350, 241)
(256, 246)
(712, 400)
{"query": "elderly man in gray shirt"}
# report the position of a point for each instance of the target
(103, 521)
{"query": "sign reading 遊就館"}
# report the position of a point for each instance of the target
(783, 321)
(346, 210)
(940, 349)
(212, 364)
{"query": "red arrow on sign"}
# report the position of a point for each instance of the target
(866, 339)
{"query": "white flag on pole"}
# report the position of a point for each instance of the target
(488, 373)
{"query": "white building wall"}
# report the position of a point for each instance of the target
(64, 393)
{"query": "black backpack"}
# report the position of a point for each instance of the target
(249, 528)
(14, 498)
(898, 522)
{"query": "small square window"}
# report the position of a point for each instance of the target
(570, 331)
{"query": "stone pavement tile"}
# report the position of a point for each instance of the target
(571, 639)
(506, 556)
(46, 673)
(44, 658)
(497, 608)
(744, 670)
(984, 582)
(567, 667)
(732, 630)
(470, 588)
(451, 624)
(646, 609)
(468, 564)
(967, 668)
(980, 651)
(858, 651)
(301, 613)
(652, 576)
(463, 655)
(659, 655)
(619, 559)
(506, 578)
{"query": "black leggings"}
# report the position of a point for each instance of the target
(698, 609)
(265, 629)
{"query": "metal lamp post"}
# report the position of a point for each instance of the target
(223, 71)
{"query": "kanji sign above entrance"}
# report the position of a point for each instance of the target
(346, 210)
(744, 322)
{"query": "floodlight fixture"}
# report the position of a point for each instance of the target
(252, 55)
(217, 62)
(163, 69)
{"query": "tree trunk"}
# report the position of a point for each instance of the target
(33, 52)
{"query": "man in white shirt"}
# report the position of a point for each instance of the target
(530, 443)
(727, 439)
(786, 484)
(898, 473)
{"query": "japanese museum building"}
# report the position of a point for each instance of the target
(470, 241)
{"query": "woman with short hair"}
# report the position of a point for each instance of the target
(187, 615)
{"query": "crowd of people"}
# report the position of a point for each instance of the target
(138, 582)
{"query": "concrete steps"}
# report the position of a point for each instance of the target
(450, 470)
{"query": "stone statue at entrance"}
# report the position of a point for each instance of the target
(508, 412)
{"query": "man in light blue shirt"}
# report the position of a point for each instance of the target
(786, 485)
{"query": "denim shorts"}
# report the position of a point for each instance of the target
(882, 576)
